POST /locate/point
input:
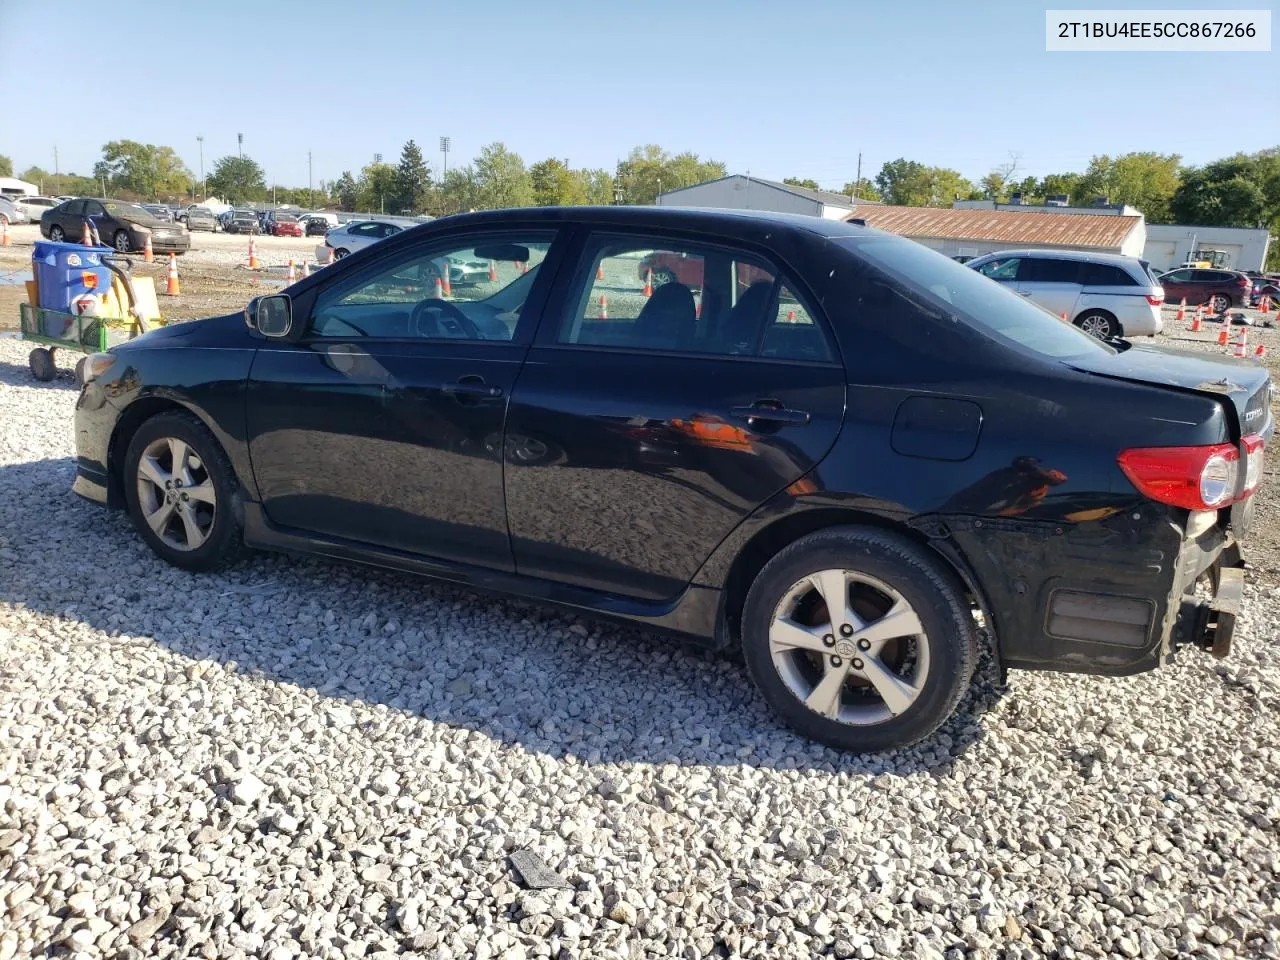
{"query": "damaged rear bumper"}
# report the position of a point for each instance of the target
(1211, 623)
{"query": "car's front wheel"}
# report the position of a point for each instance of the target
(1220, 303)
(56, 234)
(121, 241)
(1098, 324)
(340, 253)
(859, 639)
(181, 492)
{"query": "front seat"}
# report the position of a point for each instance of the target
(667, 319)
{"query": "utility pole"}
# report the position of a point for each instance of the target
(444, 148)
(857, 183)
(57, 174)
(240, 144)
(311, 194)
(204, 190)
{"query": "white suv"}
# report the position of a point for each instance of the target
(1104, 294)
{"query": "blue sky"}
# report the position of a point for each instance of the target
(774, 89)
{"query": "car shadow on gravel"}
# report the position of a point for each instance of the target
(19, 375)
(517, 672)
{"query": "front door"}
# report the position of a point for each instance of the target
(382, 424)
(644, 429)
(1176, 285)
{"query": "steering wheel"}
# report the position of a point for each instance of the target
(431, 318)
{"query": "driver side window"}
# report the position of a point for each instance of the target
(446, 291)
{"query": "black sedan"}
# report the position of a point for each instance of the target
(122, 225)
(845, 467)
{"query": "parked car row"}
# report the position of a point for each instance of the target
(124, 226)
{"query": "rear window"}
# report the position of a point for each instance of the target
(967, 296)
(1105, 275)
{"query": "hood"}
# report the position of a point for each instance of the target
(1244, 386)
(225, 331)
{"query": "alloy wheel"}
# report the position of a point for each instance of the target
(122, 241)
(176, 494)
(1220, 303)
(849, 647)
(56, 234)
(1096, 325)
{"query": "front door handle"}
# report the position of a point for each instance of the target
(771, 411)
(472, 386)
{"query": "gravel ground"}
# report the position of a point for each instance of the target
(303, 759)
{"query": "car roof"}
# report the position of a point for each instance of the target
(712, 219)
(1099, 257)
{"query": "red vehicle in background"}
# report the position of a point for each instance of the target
(670, 267)
(285, 225)
(1221, 289)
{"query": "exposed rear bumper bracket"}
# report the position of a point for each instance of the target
(1212, 625)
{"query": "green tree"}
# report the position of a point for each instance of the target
(501, 179)
(1058, 184)
(910, 183)
(238, 180)
(1237, 191)
(377, 189)
(597, 186)
(143, 170)
(1145, 180)
(554, 184)
(649, 170)
(42, 178)
(413, 181)
(459, 193)
(6, 166)
(806, 183)
(863, 189)
(346, 191)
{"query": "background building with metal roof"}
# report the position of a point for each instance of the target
(740, 192)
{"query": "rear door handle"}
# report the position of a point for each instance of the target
(771, 411)
(472, 386)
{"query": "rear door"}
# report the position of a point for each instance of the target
(1051, 282)
(643, 430)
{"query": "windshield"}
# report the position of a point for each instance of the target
(127, 211)
(973, 299)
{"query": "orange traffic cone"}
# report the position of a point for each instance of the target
(1063, 316)
(447, 287)
(1182, 310)
(306, 268)
(328, 255)
(604, 309)
(253, 255)
(439, 291)
(600, 271)
(88, 234)
(290, 276)
(1195, 322)
(524, 266)
(147, 253)
(4, 234)
(1242, 345)
(791, 316)
(1261, 352)
(1265, 306)
(648, 283)
(493, 272)
(172, 289)
(1224, 332)
(697, 310)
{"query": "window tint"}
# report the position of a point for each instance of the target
(1208, 276)
(1105, 275)
(93, 208)
(74, 208)
(1051, 270)
(954, 292)
(1006, 269)
(438, 293)
(363, 229)
(1178, 276)
(700, 300)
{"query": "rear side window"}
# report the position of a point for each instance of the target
(950, 292)
(687, 298)
(1051, 270)
(1105, 275)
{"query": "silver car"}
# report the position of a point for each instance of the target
(358, 234)
(11, 213)
(1104, 294)
(201, 218)
(36, 206)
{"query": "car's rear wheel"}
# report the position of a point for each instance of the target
(1220, 303)
(663, 275)
(121, 241)
(859, 639)
(181, 492)
(56, 234)
(340, 253)
(1098, 324)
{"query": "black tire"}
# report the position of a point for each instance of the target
(226, 536)
(121, 241)
(922, 580)
(42, 365)
(57, 234)
(80, 371)
(1219, 303)
(1098, 323)
(663, 275)
(340, 253)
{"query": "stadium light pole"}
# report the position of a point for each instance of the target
(204, 188)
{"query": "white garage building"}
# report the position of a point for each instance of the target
(740, 192)
(1169, 244)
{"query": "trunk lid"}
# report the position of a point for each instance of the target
(1243, 387)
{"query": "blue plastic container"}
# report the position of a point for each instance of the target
(65, 271)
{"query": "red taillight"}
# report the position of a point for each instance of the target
(1196, 478)
(1242, 282)
(1155, 301)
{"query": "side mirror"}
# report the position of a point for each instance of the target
(270, 316)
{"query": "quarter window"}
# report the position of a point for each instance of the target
(446, 292)
(688, 299)
(1006, 269)
(1105, 275)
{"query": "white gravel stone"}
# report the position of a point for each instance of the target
(297, 748)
